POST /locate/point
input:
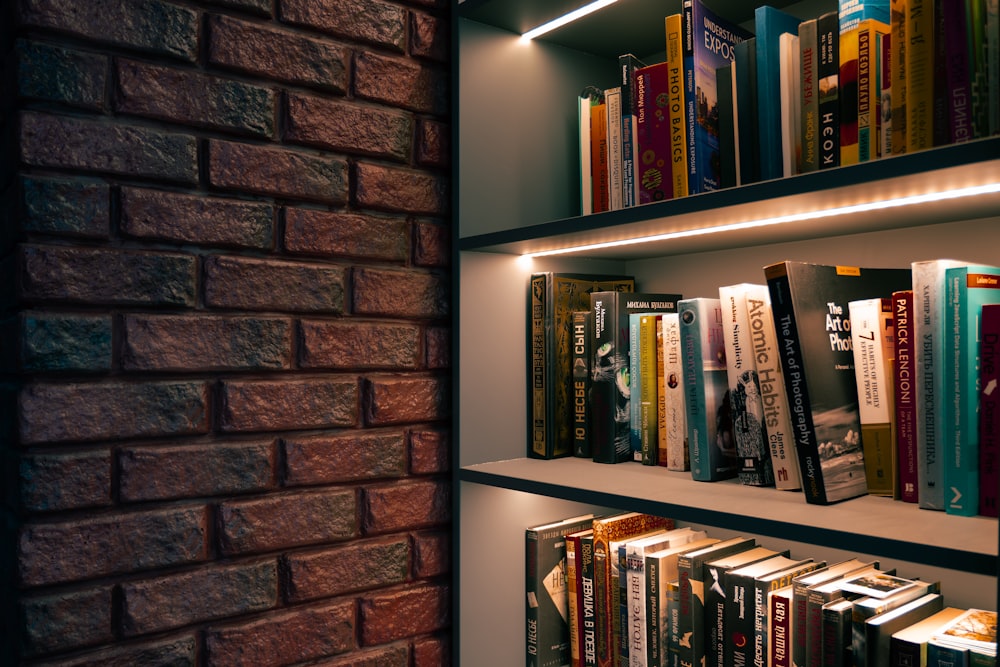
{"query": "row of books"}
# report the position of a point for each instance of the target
(729, 106)
(630, 589)
(813, 379)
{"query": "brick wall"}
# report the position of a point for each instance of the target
(225, 332)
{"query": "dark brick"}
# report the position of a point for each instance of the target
(277, 171)
(289, 405)
(341, 344)
(344, 458)
(433, 144)
(185, 96)
(429, 37)
(342, 126)
(430, 452)
(375, 22)
(431, 245)
(400, 294)
(169, 216)
(77, 411)
(264, 7)
(111, 544)
(431, 652)
(105, 146)
(56, 74)
(398, 400)
(330, 233)
(285, 638)
(173, 652)
(432, 554)
(187, 471)
(277, 54)
(438, 346)
(405, 506)
(181, 342)
(148, 25)
(64, 206)
(400, 189)
(285, 521)
(65, 342)
(251, 284)
(394, 615)
(54, 482)
(379, 656)
(357, 566)
(401, 83)
(106, 276)
(202, 595)
(61, 621)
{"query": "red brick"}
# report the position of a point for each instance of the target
(379, 656)
(53, 482)
(108, 544)
(66, 206)
(106, 276)
(187, 471)
(438, 346)
(344, 344)
(277, 54)
(109, 147)
(431, 245)
(212, 221)
(400, 189)
(337, 125)
(181, 342)
(431, 652)
(375, 22)
(285, 638)
(177, 600)
(56, 74)
(431, 554)
(149, 25)
(357, 566)
(332, 233)
(407, 294)
(285, 521)
(399, 400)
(401, 83)
(252, 284)
(99, 411)
(433, 144)
(277, 171)
(289, 404)
(178, 650)
(398, 614)
(429, 37)
(430, 452)
(188, 97)
(405, 506)
(344, 458)
(64, 620)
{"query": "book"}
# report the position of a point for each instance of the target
(728, 150)
(897, 26)
(546, 597)
(675, 420)
(599, 168)
(627, 66)
(879, 628)
(574, 585)
(809, 94)
(691, 590)
(769, 24)
(764, 586)
(871, 36)
(708, 44)
(873, 338)
(709, 426)
(852, 12)
(847, 95)
(817, 596)
(974, 629)
(790, 94)
(588, 600)
(993, 73)
(650, 373)
(989, 411)
(580, 382)
(588, 98)
(928, 327)
(618, 585)
(552, 298)
(882, 114)
(674, 26)
(904, 394)
(747, 140)
(784, 460)
(968, 288)
(974, 25)
(653, 133)
(919, 55)
(613, 103)
(836, 632)
(828, 73)
(810, 305)
(908, 646)
(744, 392)
(868, 607)
(779, 626)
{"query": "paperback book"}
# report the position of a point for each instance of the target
(989, 411)
(628, 64)
(904, 395)
(673, 437)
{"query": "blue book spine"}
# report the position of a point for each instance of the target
(769, 24)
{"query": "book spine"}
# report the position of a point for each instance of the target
(868, 92)
(919, 75)
(653, 134)
(940, 655)
(769, 23)
(836, 629)
(648, 410)
(613, 100)
(809, 91)
(676, 420)
(828, 34)
(904, 653)
(635, 368)
(532, 587)
(634, 636)
(572, 598)
(588, 603)
(847, 94)
(989, 411)
(957, 70)
(580, 379)
(799, 640)
(659, 457)
(748, 141)
(900, 45)
(541, 343)
(654, 643)
(905, 395)
(607, 362)
(599, 157)
(780, 630)
(882, 113)
(628, 64)
(675, 77)
(690, 110)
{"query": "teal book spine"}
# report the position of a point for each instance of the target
(769, 24)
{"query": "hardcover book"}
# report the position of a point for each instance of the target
(828, 73)
(588, 98)
(879, 629)
(974, 630)
(547, 599)
(552, 298)
(779, 627)
(653, 133)
(599, 151)
(809, 92)
(763, 587)
(580, 379)
(728, 150)
(989, 411)
(817, 596)
(710, 442)
(675, 420)
(628, 64)
(897, 26)
(904, 394)
(869, 607)
(674, 25)
(588, 601)
(708, 44)
(769, 24)
(643, 366)
(791, 96)
(613, 102)
(747, 140)
(908, 647)
(836, 629)
(574, 585)
(919, 65)
(810, 305)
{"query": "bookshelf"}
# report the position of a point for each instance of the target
(517, 191)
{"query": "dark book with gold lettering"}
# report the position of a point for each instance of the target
(552, 298)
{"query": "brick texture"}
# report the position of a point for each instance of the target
(225, 333)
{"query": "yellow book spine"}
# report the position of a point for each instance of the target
(919, 75)
(678, 142)
(848, 92)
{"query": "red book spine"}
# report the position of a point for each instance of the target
(904, 371)
(989, 411)
(652, 123)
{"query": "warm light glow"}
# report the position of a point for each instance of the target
(525, 262)
(566, 18)
(991, 188)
